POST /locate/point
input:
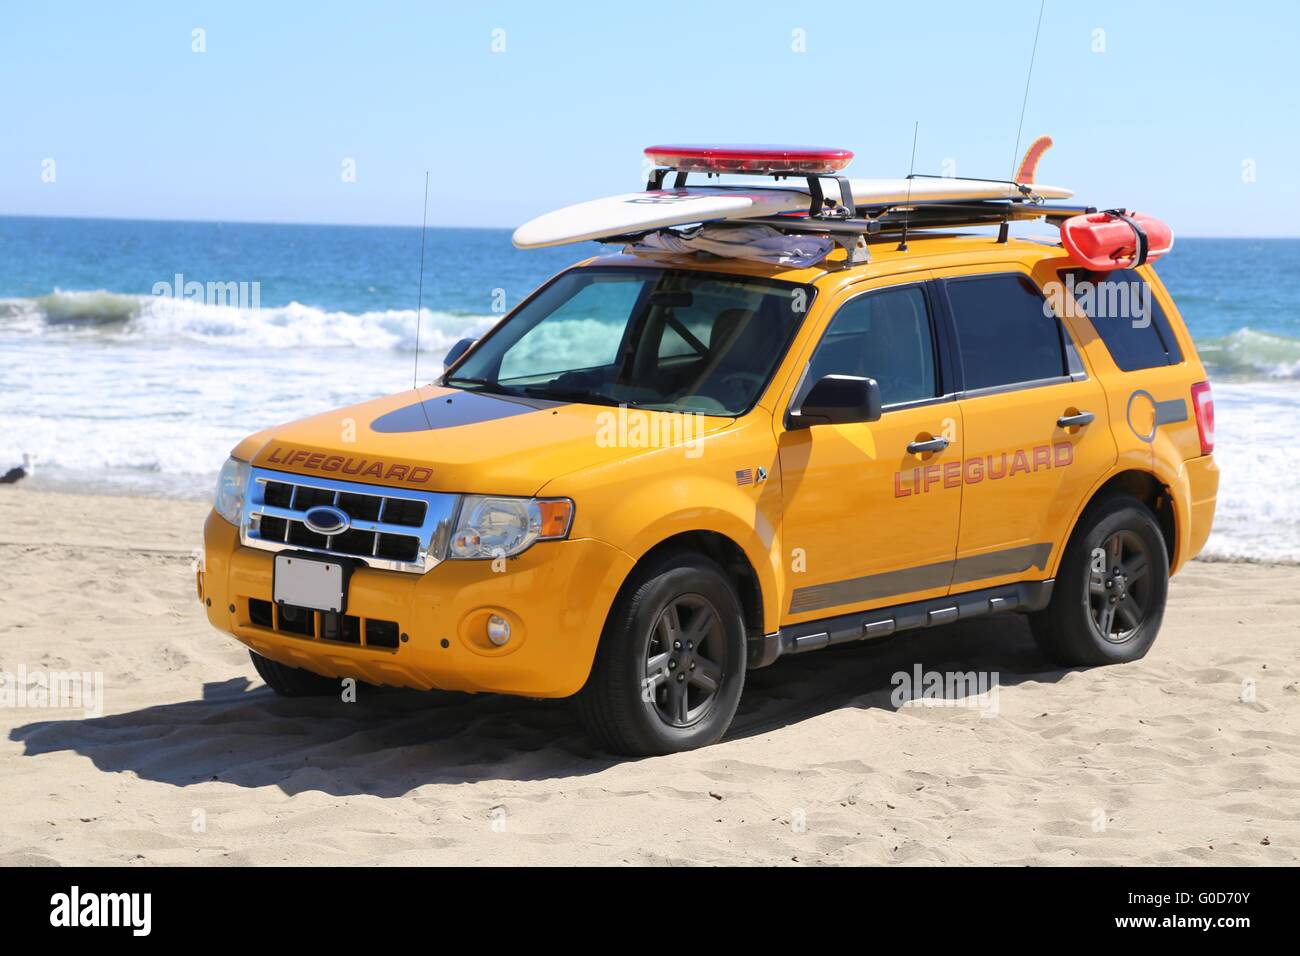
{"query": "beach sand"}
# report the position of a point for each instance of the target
(1191, 756)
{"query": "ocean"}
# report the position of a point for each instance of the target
(118, 381)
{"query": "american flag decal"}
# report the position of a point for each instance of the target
(745, 476)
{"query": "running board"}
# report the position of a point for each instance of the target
(884, 621)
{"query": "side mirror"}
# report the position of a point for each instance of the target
(455, 352)
(838, 400)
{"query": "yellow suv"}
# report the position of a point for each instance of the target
(663, 470)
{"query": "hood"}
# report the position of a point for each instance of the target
(446, 439)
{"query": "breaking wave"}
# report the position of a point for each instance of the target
(1248, 355)
(113, 316)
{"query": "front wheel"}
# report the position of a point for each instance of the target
(671, 662)
(1109, 597)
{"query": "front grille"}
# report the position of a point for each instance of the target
(389, 528)
(381, 634)
(324, 625)
(295, 620)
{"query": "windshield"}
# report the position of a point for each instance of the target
(662, 338)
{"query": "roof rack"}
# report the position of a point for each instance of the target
(848, 223)
(851, 232)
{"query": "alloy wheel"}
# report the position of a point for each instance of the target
(683, 674)
(1119, 586)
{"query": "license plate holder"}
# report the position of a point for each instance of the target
(305, 580)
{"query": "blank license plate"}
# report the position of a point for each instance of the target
(308, 583)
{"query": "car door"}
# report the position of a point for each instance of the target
(871, 510)
(1036, 427)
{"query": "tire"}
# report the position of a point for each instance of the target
(293, 681)
(1116, 559)
(691, 685)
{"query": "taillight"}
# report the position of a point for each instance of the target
(1203, 402)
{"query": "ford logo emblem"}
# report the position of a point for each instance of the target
(326, 519)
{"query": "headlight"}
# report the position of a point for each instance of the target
(503, 527)
(229, 499)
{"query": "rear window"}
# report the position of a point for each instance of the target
(1004, 335)
(1126, 315)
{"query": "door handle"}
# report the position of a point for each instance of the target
(1076, 420)
(921, 447)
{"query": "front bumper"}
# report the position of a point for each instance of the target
(556, 596)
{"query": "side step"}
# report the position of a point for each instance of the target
(884, 621)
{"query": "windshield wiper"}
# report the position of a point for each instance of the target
(484, 383)
(576, 395)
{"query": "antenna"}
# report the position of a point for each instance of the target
(916, 126)
(1004, 231)
(419, 295)
(419, 304)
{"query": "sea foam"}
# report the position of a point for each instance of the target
(115, 317)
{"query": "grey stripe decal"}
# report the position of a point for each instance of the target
(996, 563)
(872, 587)
(1174, 410)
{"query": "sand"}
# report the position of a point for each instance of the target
(1190, 756)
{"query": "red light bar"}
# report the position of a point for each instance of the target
(810, 160)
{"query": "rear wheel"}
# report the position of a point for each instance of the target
(671, 663)
(1109, 597)
(293, 681)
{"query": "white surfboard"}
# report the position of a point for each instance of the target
(882, 192)
(653, 209)
(659, 208)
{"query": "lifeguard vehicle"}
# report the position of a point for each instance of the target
(787, 412)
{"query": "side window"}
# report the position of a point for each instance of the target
(883, 335)
(1006, 333)
(1126, 315)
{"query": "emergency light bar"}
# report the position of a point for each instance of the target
(807, 160)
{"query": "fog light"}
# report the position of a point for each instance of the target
(498, 630)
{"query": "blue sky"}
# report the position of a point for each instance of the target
(1185, 98)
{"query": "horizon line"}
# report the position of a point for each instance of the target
(381, 225)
